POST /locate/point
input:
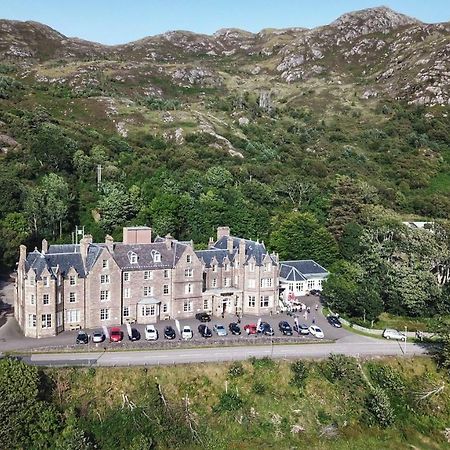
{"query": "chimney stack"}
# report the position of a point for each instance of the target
(44, 246)
(22, 253)
(223, 232)
(211, 243)
(229, 244)
(109, 241)
(84, 246)
(137, 235)
(168, 241)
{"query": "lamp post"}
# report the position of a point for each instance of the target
(406, 331)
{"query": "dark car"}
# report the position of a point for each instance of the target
(314, 292)
(169, 332)
(266, 329)
(82, 337)
(135, 335)
(301, 329)
(234, 328)
(203, 317)
(333, 320)
(285, 328)
(204, 330)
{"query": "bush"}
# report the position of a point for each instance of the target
(386, 377)
(379, 408)
(229, 401)
(262, 363)
(299, 374)
(259, 388)
(236, 370)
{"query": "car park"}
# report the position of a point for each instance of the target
(389, 333)
(98, 336)
(220, 329)
(187, 333)
(135, 335)
(169, 333)
(333, 320)
(204, 331)
(301, 328)
(234, 328)
(203, 317)
(115, 334)
(285, 328)
(250, 328)
(266, 329)
(316, 331)
(82, 337)
(151, 333)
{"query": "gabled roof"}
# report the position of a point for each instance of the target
(306, 267)
(220, 255)
(145, 252)
(290, 273)
(252, 248)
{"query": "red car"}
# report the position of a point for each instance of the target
(115, 334)
(250, 328)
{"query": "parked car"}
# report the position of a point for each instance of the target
(301, 329)
(98, 336)
(151, 333)
(234, 328)
(203, 317)
(266, 329)
(204, 331)
(115, 334)
(390, 333)
(169, 333)
(285, 328)
(135, 335)
(314, 292)
(82, 337)
(187, 333)
(316, 332)
(250, 328)
(333, 320)
(220, 329)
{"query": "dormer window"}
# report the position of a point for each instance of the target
(156, 256)
(133, 257)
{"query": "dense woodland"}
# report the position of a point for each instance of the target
(334, 187)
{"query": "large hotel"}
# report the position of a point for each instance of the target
(139, 280)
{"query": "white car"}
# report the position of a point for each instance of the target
(98, 336)
(151, 333)
(316, 331)
(389, 333)
(186, 332)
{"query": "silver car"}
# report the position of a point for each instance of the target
(220, 329)
(389, 333)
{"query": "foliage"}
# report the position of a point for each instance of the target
(229, 401)
(236, 370)
(379, 408)
(262, 364)
(299, 374)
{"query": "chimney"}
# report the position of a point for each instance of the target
(44, 246)
(84, 245)
(168, 241)
(22, 253)
(137, 235)
(241, 251)
(109, 241)
(222, 232)
(229, 244)
(211, 243)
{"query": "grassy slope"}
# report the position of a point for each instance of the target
(267, 417)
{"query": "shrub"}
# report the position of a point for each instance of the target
(259, 388)
(229, 401)
(342, 368)
(236, 370)
(386, 377)
(299, 374)
(379, 408)
(263, 363)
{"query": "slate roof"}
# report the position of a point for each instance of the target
(307, 268)
(145, 253)
(56, 258)
(208, 255)
(290, 273)
(252, 248)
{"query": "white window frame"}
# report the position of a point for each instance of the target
(252, 283)
(31, 320)
(46, 299)
(148, 274)
(264, 301)
(45, 281)
(251, 301)
(46, 321)
(188, 288)
(133, 257)
(105, 296)
(72, 297)
(166, 290)
(156, 257)
(72, 280)
(266, 282)
(206, 304)
(104, 278)
(126, 276)
(214, 267)
(166, 273)
(251, 267)
(148, 291)
(126, 292)
(187, 306)
(227, 282)
(126, 311)
(226, 267)
(310, 284)
(214, 282)
(188, 273)
(73, 316)
(188, 259)
(32, 299)
(104, 314)
(165, 308)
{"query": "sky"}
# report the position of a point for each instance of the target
(118, 21)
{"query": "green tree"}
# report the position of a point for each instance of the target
(14, 230)
(300, 236)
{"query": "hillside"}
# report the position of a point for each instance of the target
(220, 127)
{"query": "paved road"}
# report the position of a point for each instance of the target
(366, 347)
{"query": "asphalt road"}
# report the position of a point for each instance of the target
(366, 347)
